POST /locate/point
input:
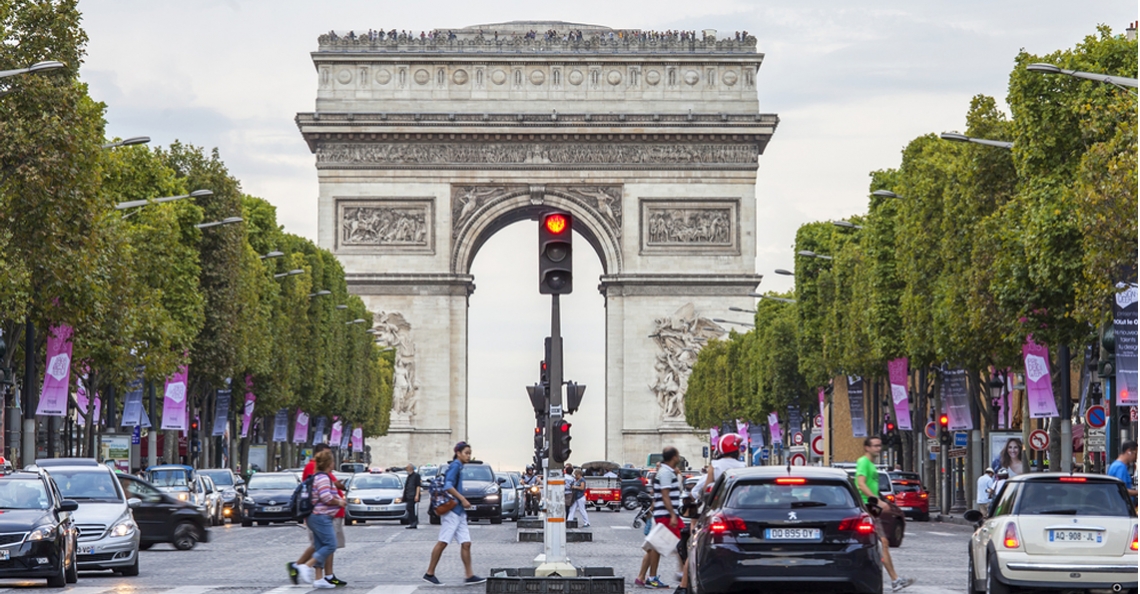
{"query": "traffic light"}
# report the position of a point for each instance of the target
(194, 429)
(890, 431)
(944, 429)
(538, 439)
(560, 442)
(555, 254)
(574, 392)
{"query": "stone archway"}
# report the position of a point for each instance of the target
(426, 148)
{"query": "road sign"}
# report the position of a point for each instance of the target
(961, 439)
(933, 448)
(798, 459)
(956, 452)
(1095, 416)
(798, 438)
(1039, 440)
(818, 421)
(1094, 440)
(764, 453)
(817, 445)
(931, 430)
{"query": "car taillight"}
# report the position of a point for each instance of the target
(862, 524)
(644, 481)
(923, 495)
(722, 524)
(890, 497)
(1010, 539)
(1134, 538)
(1073, 479)
(791, 481)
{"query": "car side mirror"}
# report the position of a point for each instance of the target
(973, 516)
(134, 502)
(501, 481)
(68, 505)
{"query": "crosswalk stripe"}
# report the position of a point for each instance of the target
(393, 590)
(191, 589)
(286, 589)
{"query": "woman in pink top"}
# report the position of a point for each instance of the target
(326, 503)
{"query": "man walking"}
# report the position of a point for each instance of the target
(1119, 468)
(985, 491)
(412, 497)
(867, 481)
(666, 511)
(453, 524)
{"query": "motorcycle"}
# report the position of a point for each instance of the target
(533, 499)
(645, 513)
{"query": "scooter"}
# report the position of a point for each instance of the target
(645, 513)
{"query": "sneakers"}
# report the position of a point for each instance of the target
(655, 583)
(431, 579)
(637, 582)
(292, 569)
(305, 573)
(901, 583)
(323, 584)
(335, 580)
(474, 580)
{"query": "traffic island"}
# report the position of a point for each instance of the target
(536, 534)
(588, 580)
(538, 523)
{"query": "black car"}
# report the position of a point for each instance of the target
(784, 528)
(632, 483)
(161, 517)
(267, 498)
(482, 491)
(230, 486)
(37, 532)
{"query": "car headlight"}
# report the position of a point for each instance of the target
(229, 495)
(123, 528)
(493, 490)
(183, 496)
(397, 500)
(42, 533)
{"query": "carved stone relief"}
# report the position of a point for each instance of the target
(393, 330)
(535, 153)
(668, 225)
(467, 200)
(398, 225)
(604, 201)
(679, 338)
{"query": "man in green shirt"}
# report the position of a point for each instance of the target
(867, 482)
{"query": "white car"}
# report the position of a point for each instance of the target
(1055, 531)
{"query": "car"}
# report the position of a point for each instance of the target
(353, 467)
(267, 498)
(108, 537)
(176, 479)
(374, 497)
(633, 482)
(481, 491)
(512, 504)
(910, 496)
(231, 486)
(37, 529)
(163, 518)
(892, 519)
(784, 528)
(1055, 531)
(214, 503)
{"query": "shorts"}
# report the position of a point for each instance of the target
(675, 528)
(338, 528)
(453, 527)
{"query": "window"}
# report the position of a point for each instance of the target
(278, 482)
(169, 478)
(221, 478)
(23, 494)
(477, 473)
(141, 490)
(770, 495)
(377, 481)
(1091, 498)
(1006, 497)
(86, 483)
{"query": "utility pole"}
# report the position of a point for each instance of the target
(28, 453)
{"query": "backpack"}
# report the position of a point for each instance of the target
(301, 502)
(441, 501)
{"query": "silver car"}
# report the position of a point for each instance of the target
(108, 535)
(374, 497)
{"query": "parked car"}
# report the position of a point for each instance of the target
(214, 503)
(373, 497)
(910, 496)
(512, 503)
(771, 527)
(267, 498)
(1054, 531)
(37, 529)
(108, 537)
(231, 487)
(163, 518)
(481, 491)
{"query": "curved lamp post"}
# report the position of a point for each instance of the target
(320, 293)
(811, 254)
(1119, 81)
(846, 224)
(37, 67)
(742, 310)
(783, 272)
(356, 321)
(885, 194)
(956, 137)
(293, 272)
(720, 321)
(127, 142)
(771, 298)
(273, 254)
(226, 221)
(136, 203)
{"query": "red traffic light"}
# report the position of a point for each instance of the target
(890, 426)
(944, 420)
(556, 223)
(538, 430)
(564, 427)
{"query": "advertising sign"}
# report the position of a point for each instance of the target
(221, 412)
(174, 401)
(956, 399)
(117, 448)
(897, 370)
(1124, 329)
(855, 401)
(281, 425)
(57, 373)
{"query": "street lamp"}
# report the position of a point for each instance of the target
(293, 272)
(742, 310)
(134, 203)
(127, 142)
(37, 67)
(885, 194)
(1119, 81)
(720, 321)
(320, 293)
(997, 390)
(226, 221)
(356, 321)
(783, 272)
(780, 299)
(273, 254)
(956, 137)
(846, 225)
(342, 306)
(811, 254)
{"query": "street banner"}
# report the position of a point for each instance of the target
(132, 404)
(344, 437)
(795, 420)
(855, 402)
(822, 399)
(247, 409)
(57, 373)
(774, 428)
(281, 425)
(714, 433)
(897, 370)
(742, 430)
(301, 427)
(1124, 330)
(83, 401)
(358, 439)
(956, 399)
(319, 432)
(336, 433)
(756, 435)
(1038, 384)
(1005, 416)
(174, 401)
(221, 411)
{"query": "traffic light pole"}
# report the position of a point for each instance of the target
(555, 561)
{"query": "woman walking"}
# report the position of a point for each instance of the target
(326, 503)
(578, 499)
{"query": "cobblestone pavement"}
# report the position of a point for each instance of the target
(384, 558)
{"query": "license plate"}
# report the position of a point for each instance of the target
(907, 508)
(89, 550)
(792, 534)
(376, 508)
(1093, 536)
(271, 509)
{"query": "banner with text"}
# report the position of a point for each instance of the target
(897, 370)
(358, 439)
(1124, 331)
(281, 425)
(221, 411)
(319, 432)
(301, 427)
(174, 400)
(855, 401)
(336, 433)
(774, 428)
(1038, 383)
(57, 373)
(956, 399)
(83, 401)
(347, 432)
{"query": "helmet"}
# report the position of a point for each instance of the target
(729, 443)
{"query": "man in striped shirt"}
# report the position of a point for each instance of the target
(666, 510)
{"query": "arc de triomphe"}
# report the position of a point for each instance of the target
(425, 147)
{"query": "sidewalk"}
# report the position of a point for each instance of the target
(951, 519)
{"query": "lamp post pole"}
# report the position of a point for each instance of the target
(28, 451)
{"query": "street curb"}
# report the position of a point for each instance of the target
(952, 520)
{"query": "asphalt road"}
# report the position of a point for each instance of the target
(384, 558)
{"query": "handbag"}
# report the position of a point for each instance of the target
(661, 539)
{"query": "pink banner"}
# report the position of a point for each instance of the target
(897, 370)
(1038, 384)
(174, 401)
(336, 433)
(301, 428)
(714, 433)
(358, 439)
(247, 411)
(83, 401)
(742, 430)
(57, 374)
(774, 431)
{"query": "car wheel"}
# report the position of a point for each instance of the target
(971, 587)
(993, 586)
(72, 575)
(897, 535)
(130, 570)
(629, 501)
(60, 579)
(185, 536)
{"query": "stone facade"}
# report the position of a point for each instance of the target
(424, 149)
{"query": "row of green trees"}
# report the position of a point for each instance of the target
(150, 290)
(981, 248)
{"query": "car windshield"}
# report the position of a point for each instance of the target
(769, 495)
(272, 481)
(86, 483)
(904, 476)
(478, 473)
(170, 477)
(23, 494)
(221, 478)
(1072, 499)
(907, 487)
(376, 481)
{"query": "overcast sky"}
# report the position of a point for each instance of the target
(852, 82)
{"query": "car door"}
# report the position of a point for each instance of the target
(153, 510)
(999, 512)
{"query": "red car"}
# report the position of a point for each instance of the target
(910, 496)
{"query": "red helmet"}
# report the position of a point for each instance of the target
(728, 443)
